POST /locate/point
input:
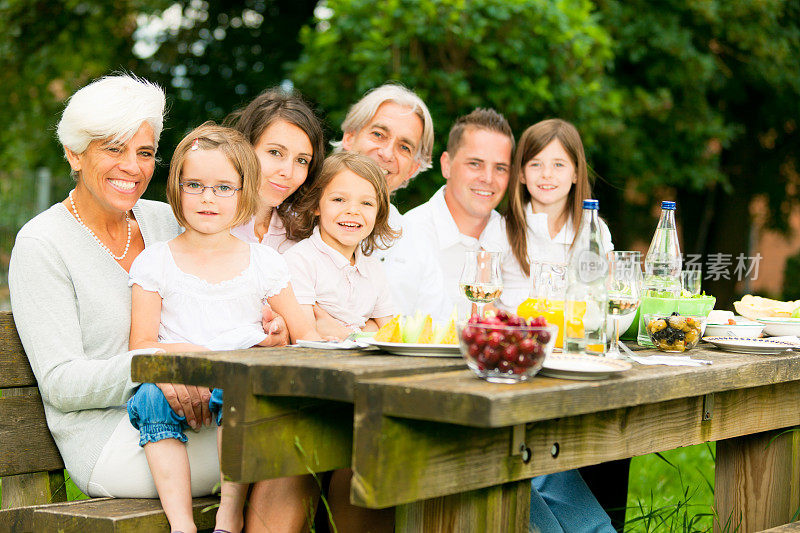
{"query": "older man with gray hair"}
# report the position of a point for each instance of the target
(392, 126)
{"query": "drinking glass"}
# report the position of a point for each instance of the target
(548, 288)
(624, 286)
(480, 280)
(691, 281)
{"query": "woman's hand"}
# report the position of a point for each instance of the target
(189, 401)
(274, 326)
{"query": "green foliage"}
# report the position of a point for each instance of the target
(527, 58)
(48, 49)
(685, 69)
(672, 491)
(220, 56)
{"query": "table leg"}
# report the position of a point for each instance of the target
(757, 483)
(502, 509)
(267, 437)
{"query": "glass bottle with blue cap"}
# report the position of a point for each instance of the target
(586, 300)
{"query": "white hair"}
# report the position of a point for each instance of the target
(112, 107)
(362, 111)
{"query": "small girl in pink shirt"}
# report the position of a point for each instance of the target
(342, 219)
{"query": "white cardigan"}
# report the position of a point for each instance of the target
(72, 307)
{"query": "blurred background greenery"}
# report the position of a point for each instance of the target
(692, 100)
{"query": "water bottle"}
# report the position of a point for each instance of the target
(586, 300)
(662, 265)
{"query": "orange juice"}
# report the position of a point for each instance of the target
(551, 310)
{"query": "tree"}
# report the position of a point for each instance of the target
(220, 56)
(696, 101)
(48, 49)
(209, 59)
(528, 59)
(712, 96)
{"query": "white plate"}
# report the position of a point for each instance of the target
(757, 346)
(742, 328)
(420, 350)
(585, 367)
(778, 327)
(333, 345)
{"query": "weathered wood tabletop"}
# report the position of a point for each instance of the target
(450, 450)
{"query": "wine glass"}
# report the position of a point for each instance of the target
(624, 280)
(480, 280)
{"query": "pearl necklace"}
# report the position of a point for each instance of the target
(103, 246)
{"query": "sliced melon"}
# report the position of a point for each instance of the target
(426, 334)
(412, 327)
(450, 334)
(390, 332)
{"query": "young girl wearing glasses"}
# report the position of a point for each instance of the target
(203, 290)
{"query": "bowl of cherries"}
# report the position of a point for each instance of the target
(505, 348)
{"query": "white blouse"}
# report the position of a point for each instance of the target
(541, 247)
(219, 316)
(275, 237)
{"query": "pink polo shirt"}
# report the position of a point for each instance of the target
(275, 237)
(350, 293)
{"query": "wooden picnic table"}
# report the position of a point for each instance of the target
(455, 453)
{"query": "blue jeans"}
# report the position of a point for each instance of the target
(563, 503)
(151, 414)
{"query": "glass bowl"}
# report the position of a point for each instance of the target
(674, 333)
(503, 353)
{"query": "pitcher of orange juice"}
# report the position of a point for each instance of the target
(548, 287)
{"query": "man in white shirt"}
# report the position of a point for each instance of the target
(392, 126)
(476, 167)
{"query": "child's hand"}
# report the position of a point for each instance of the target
(275, 328)
(329, 327)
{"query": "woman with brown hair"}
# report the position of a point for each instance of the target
(288, 140)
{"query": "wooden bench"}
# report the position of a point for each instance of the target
(32, 472)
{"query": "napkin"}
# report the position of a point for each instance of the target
(669, 360)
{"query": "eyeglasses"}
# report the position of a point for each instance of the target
(195, 187)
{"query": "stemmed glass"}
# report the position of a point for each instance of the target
(480, 280)
(624, 285)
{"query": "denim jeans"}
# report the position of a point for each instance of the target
(563, 503)
(151, 414)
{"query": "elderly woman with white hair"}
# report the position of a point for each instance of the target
(71, 301)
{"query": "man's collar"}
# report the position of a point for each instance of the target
(446, 228)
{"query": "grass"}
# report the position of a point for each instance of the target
(672, 491)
